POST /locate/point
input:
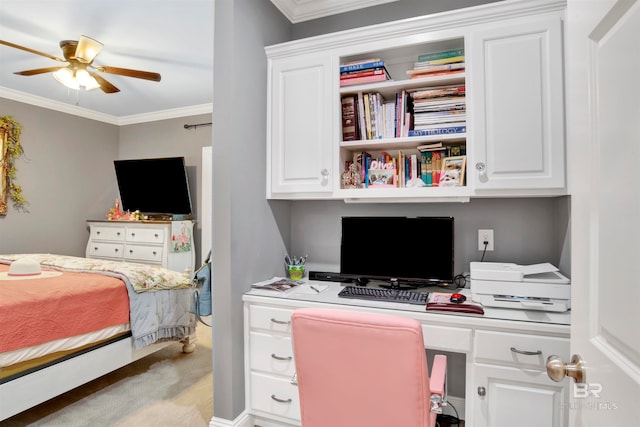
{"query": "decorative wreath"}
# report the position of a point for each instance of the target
(10, 151)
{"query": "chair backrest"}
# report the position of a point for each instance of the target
(360, 369)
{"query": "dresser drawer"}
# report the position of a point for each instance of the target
(275, 395)
(521, 350)
(271, 353)
(143, 253)
(270, 318)
(447, 338)
(107, 233)
(106, 250)
(145, 235)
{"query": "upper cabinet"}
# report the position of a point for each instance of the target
(518, 104)
(299, 149)
(498, 113)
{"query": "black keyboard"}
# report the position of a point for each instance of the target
(388, 295)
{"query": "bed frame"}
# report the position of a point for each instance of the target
(31, 389)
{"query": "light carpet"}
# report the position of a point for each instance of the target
(167, 388)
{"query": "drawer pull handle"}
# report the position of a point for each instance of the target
(280, 357)
(526, 353)
(280, 322)
(482, 392)
(273, 396)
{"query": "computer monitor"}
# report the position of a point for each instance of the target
(416, 251)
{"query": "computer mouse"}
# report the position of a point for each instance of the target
(458, 298)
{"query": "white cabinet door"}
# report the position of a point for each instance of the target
(517, 108)
(507, 397)
(299, 126)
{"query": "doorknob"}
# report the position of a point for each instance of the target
(557, 369)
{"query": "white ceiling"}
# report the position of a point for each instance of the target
(170, 37)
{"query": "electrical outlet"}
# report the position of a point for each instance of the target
(485, 236)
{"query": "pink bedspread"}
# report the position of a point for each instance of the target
(40, 310)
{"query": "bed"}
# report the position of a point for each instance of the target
(80, 319)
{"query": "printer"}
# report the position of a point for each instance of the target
(529, 287)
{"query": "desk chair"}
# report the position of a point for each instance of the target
(364, 370)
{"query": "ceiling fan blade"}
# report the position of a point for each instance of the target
(105, 86)
(26, 49)
(146, 75)
(38, 71)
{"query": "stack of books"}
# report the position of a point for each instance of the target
(447, 62)
(439, 110)
(363, 71)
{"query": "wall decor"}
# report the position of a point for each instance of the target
(10, 151)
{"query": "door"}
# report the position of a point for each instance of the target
(299, 126)
(518, 133)
(603, 59)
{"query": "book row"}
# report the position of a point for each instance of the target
(432, 167)
(419, 112)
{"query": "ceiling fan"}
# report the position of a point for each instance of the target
(80, 71)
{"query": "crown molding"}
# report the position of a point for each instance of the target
(304, 10)
(62, 107)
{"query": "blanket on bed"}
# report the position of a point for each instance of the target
(159, 299)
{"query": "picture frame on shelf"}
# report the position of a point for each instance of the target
(453, 169)
(382, 178)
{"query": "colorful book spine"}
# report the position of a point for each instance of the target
(361, 66)
(437, 131)
(349, 119)
(363, 80)
(440, 55)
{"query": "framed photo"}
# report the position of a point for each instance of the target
(381, 178)
(452, 174)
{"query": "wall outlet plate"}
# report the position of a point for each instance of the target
(485, 235)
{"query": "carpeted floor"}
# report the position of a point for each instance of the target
(167, 388)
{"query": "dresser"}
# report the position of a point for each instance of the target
(168, 244)
(504, 354)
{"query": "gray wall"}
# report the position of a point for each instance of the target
(526, 230)
(67, 177)
(250, 233)
(67, 173)
(169, 138)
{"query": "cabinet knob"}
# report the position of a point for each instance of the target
(481, 168)
(482, 392)
(324, 173)
(154, 252)
(156, 235)
(95, 249)
(117, 233)
(130, 251)
(116, 250)
(98, 233)
(133, 234)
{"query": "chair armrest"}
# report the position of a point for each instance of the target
(438, 383)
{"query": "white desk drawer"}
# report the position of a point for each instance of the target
(447, 338)
(145, 235)
(270, 318)
(521, 350)
(106, 250)
(271, 353)
(107, 233)
(275, 395)
(143, 253)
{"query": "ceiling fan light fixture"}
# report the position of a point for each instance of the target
(87, 49)
(66, 76)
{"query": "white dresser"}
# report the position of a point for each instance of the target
(168, 244)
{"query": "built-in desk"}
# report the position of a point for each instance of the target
(505, 356)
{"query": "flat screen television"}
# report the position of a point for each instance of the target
(416, 251)
(154, 186)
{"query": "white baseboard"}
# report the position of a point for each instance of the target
(242, 420)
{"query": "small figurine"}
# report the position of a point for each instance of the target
(352, 177)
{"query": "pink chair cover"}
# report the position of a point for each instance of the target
(361, 369)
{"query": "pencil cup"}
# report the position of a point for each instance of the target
(295, 271)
